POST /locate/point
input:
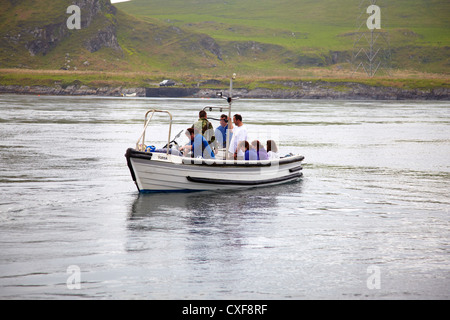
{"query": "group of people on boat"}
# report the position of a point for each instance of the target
(205, 142)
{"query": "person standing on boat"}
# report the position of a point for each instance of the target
(198, 145)
(206, 129)
(221, 131)
(239, 134)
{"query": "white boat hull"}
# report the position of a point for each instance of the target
(159, 172)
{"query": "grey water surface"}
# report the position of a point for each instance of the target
(369, 219)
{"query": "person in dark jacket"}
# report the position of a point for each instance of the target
(206, 129)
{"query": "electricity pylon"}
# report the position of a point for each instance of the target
(371, 49)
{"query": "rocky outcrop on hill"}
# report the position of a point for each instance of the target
(41, 39)
(105, 36)
(44, 38)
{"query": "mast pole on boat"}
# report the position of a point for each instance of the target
(230, 101)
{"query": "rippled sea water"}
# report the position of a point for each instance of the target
(369, 219)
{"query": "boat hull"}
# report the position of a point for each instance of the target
(156, 172)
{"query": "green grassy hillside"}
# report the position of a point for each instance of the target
(33, 35)
(310, 29)
(189, 39)
(315, 23)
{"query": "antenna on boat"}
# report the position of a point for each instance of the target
(230, 102)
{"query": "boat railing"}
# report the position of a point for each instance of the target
(141, 140)
(210, 108)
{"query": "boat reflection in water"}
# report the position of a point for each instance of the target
(248, 201)
(208, 239)
(214, 211)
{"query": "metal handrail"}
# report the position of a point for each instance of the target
(221, 108)
(147, 122)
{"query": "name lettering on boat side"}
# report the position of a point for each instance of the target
(162, 157)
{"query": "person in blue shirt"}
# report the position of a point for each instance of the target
(221, 132)
(262, 153)
(250, 154)
(198, 145)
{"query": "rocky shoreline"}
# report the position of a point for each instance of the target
(304, 90)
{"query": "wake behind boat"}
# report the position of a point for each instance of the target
(169, 170)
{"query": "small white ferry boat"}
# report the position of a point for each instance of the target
(168, 170)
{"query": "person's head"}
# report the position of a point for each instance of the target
(237, 119)
(271, 146)
(190, 133)
(244, 146)
(202, 114)
(256, 145)
(223, 120)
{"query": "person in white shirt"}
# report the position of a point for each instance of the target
(239, 134)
